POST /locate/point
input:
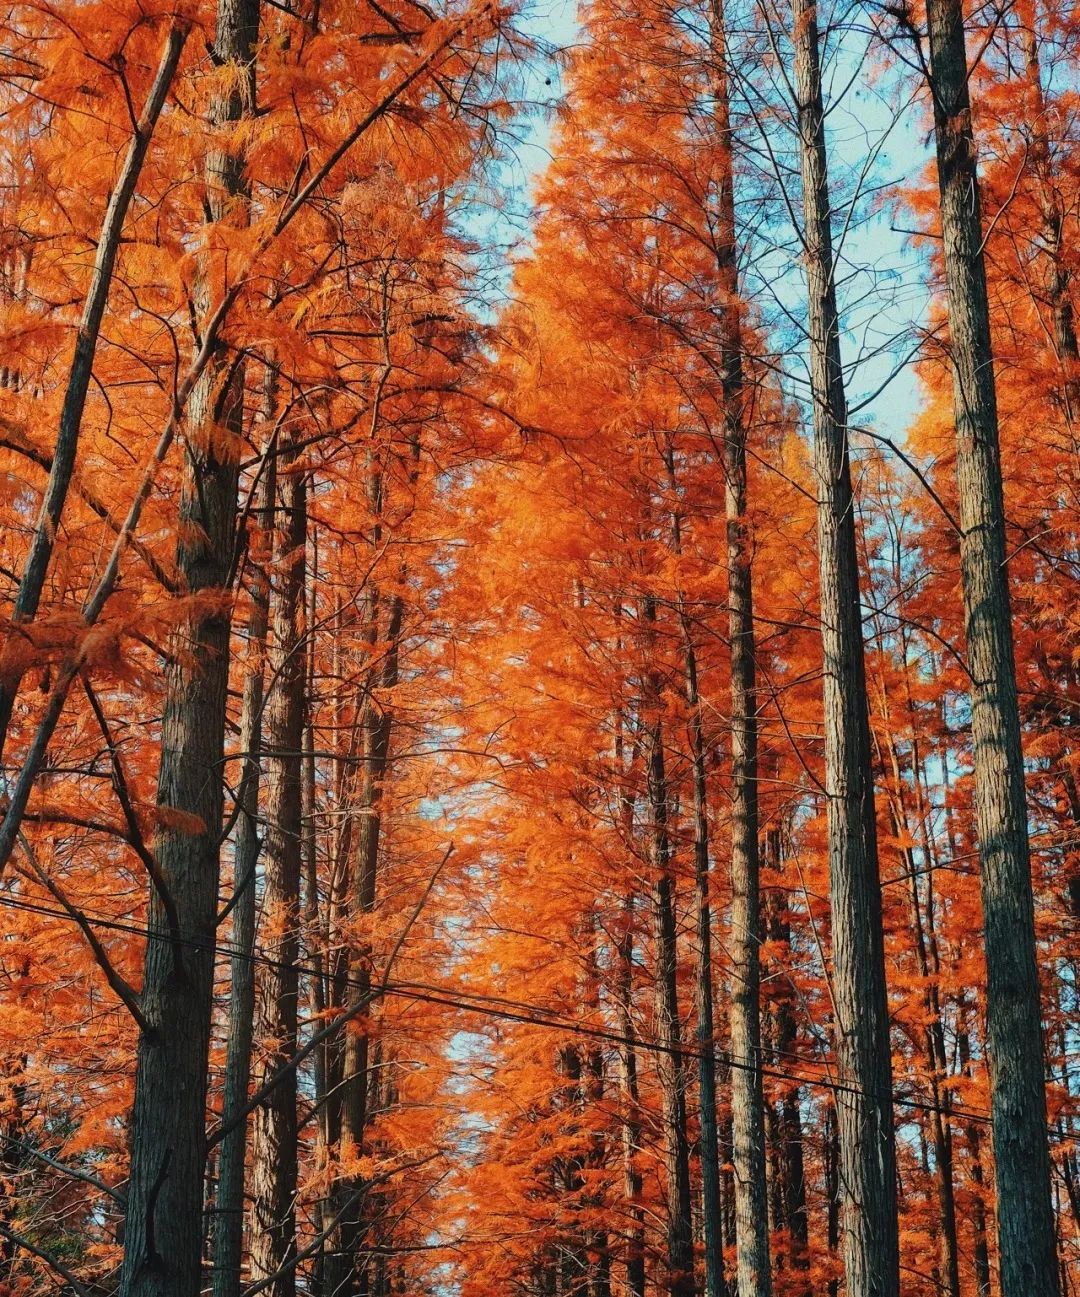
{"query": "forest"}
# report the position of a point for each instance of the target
(540, 652)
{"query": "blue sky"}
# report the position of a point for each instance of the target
(884, 296)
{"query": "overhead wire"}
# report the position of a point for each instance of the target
(497, 1008)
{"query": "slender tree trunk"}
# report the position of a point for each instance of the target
(792, 1177)
(232, 1157)
(377, 728)
(164, 1219)
(631, 1115)
(669, 1059)
(712, 1211)
(1014, 1018)
(1051, 207)
(314, 945)
(708, 1138)
(597, 1240)
(973, 1135)
(274, 1139)
(747, 1094)
(926, 951)
(864, 1109)
(831, 1141)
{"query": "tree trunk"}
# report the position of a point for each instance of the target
(274, 1138)
(1014, 1020)
(376, 733)
(973, 1135)
(708, 1138)
(747, 1095)
(80, 375)
(789, 1133)
(229, 1206)
(631, 1120)
(669, 1058)
(864, 1108)
(164, 1218)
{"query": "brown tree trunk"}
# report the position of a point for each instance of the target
(832, 1190)
(864, 1106)
(1050, 202)
(747, 1095)
(670, 1065)
(232, 1157)
(80, 375)
(1014, 1019)
(708, 1138)
(376, 733)
(164, 1219)
(314, 944)
(791, 1187)
(274, 1138)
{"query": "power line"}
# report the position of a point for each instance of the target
(495, 1007)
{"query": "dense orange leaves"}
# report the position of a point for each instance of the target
(516, 543)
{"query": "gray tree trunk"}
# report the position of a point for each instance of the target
(864, 1109)
(1025, 1215)
(232, 1158)
(274, 1136)
(80, 375)
(163, 1234)
(709, 1136)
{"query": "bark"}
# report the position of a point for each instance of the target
(631, 1101)
(229, 1207)
(747, 1095)
(906, 824)
(972, 1131)
(864, 1108)
(708, 1138)
(274, 1137)
(315, 946)
(669, 1059)
(1014, 1021)
(973, 1136)
(80, 375)
(832, 1190)
(712, 1217)
(597, 1241)
(164, 1219)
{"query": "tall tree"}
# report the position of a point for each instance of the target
(163, 1235)
(864, 1102)
(274, 1150)
(1013, 1011)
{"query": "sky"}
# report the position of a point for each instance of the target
(884, 297)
